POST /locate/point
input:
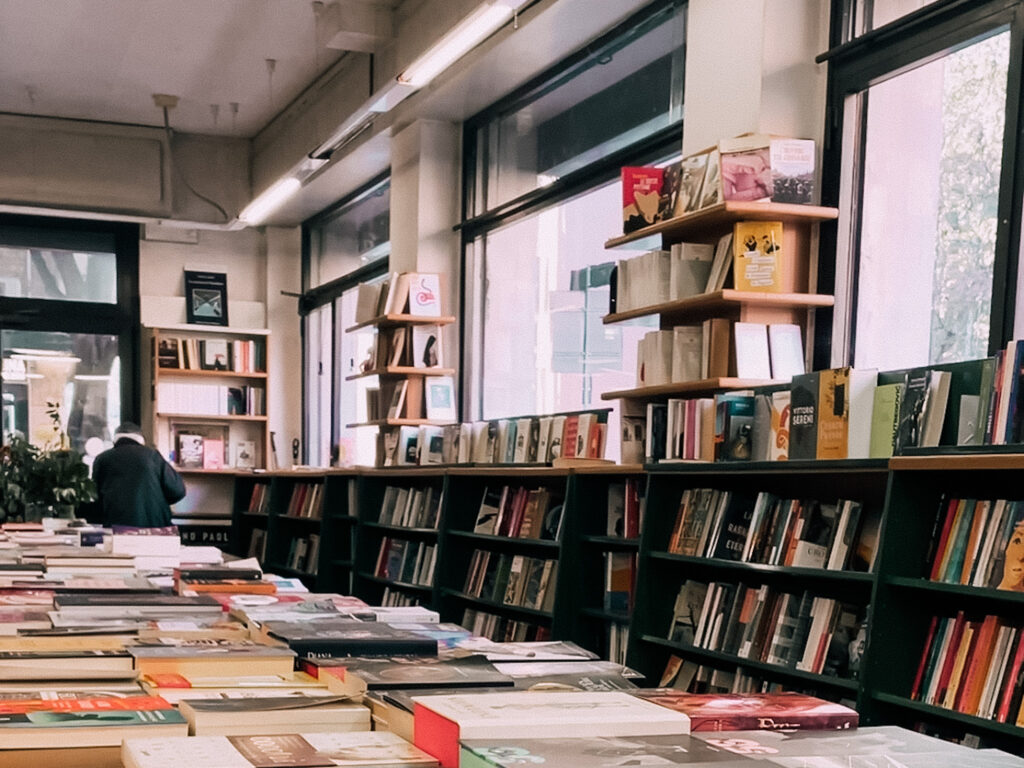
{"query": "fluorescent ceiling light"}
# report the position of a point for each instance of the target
(48, 358)
(269, 200)
(461, 39)
(91, 377)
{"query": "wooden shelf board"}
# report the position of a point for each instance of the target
(190, 373)
(509, 470)
(776, 670)
(959, 591)
(809, 466)
(970, 721)
(401, 423)
(716, 218)
(402, 370)
(396, 584)
(418, 532)
(969, 461)
(385, 321)
(816, 574)
(210, 417)
(211, 330)
(494, 605)
(297, 519)
(609, 469)
(721, 302)
(701, 386)
(227, 471)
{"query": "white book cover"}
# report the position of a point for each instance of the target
(721, 265)
(690, 268)
(622, 288)
(544, 438)
(439, 395)
(550, 714)
(935, 407)
(585, 423)
(787, 351)
(465, 452)
(752, 359)
(522, 441)
(863, 382)
(425, 294)
(367, 299)
(687, 348)
(555, 444)
(426, 346)
(657, 358)
(657, 280)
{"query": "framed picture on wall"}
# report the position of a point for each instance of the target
(206, 298)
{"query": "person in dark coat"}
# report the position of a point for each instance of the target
(136, 486)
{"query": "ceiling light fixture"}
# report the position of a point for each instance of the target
(462, 38)
(269, 200)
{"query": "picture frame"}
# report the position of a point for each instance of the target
(206, 298)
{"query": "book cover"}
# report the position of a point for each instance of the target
(439, 394)
(778, 446)
(752, 357)
(424, 295)
(589, 752)
(190, 451)
(426, 346)
(641, 196)
(168, 354)
(341, 637)
(912, 407)
(792, 162)
(803, 417)
(245, 454)
(734, 420)
(757, 256)
(787, 350)
(691, 181)
(833, 413)
(689, 269)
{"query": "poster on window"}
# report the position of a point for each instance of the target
(206, 298)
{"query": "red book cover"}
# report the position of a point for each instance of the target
(641, 196)
(1010, 680)
(915, 691)
(976, 669)
(594, 447)
(950, 660)
(518, 510)
(753, 711)
(943, 539)
(96, 704)
(569, 434)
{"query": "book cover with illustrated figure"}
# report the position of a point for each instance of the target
(778, 446)
(711, 190)
(641, 196)
(426, 346)
(753, 711)
(425, 294)
(190, 451)
(757, 256)
(691, 180)
(746, 170)
(168, 354)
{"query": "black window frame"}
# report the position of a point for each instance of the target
(121, 319)
(919, 37)
(659, 144)
(314, 298)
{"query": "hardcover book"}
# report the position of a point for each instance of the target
(590, 752)
(803, 417)
(641, 196)
(350, 638)
(757, 256)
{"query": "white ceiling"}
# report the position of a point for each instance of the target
(103, 59)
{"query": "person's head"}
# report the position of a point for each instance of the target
(129, 431)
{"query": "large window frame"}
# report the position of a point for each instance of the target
(662, 143)
(120, 319)
(868, 59)
(314, 298)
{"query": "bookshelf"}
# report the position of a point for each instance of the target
(497, 584)
(661, 573)
(399, 517)
(793, 304)
(908, 600)
(208, 384)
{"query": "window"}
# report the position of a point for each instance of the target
(543, 171)
(922, 169)
(68, 327)
(342, 247)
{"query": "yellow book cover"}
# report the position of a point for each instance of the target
(757, 256)
(833, 413)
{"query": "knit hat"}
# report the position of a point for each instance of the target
(131, 431)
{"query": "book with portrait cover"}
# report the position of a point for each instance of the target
(803, 417)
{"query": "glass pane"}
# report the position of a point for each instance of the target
(356, 445)
(351, 237)
(544, 347)
(81, 372)
(318, 387)
(862, 16)
(52, 273)
(614, 98)
(933, 149)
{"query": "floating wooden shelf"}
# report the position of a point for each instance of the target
(199, 374)
(700, 387)
(385, 321)
(402, 370)
(722, 303)
(716, 219)
(400, 423)
(969, 461)
(211, 416)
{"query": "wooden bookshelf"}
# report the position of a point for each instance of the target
(746, 305)
(696, 225)
(691, 388)
(394, 320)
(402, 370)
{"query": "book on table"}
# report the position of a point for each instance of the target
(277, 714)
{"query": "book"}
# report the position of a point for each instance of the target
(885, 420)
(368, 748)
(441, 721)
(424, 294)
(190, 451)
(757, 256)
(341, 637)
(787, 350)
(691, 181)
(266, 715)
(753, 711)
(752, 357)
(689, 269)
(439, 395)
(245, 454)
(212, 658)
(803, 416)
(641, 193)
(168, 354)
(408, 673)
(426, 346)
